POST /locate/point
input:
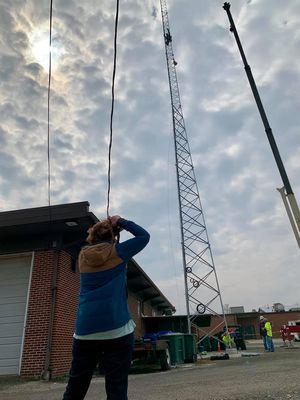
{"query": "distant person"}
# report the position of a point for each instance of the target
(263, 332)
(227, 339)
(239, 338)
(269, 335)
(104, 328)
(283, 332)
(286, 336)
(232, 332)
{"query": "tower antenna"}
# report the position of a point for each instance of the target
(202, 291)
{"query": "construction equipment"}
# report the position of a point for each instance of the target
(286, 191)
(202, 291)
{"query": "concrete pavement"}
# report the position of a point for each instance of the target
(272, 376)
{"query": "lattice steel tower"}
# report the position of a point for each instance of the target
(202, 289)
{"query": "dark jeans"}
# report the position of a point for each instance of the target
(114, 356)
(270, 343)
(265, 342)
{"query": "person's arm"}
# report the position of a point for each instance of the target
(126, 250)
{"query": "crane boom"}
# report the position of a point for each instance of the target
(286, 192)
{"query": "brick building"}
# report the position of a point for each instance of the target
(39, 288)
(250, 322)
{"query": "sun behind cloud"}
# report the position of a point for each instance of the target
(39, 47)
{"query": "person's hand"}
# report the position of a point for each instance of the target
(114, 220)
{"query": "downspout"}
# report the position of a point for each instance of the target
(141, 317)
(142, 308)
(46, 374)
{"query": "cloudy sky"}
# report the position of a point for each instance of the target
(255, 252)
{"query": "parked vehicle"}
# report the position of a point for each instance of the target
(294, 329)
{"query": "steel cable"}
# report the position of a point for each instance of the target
(112, 109)
(49, 91)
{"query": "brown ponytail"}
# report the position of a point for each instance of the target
(102, 231)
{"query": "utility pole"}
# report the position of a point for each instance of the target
(202, 291)
(286, 192)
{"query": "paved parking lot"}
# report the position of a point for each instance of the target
(267, 377)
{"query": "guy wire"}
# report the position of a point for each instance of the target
(112, 107)
(49, 91)
(172, 257)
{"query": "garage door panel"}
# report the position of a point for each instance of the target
(11, 340)
(10, 351)
(9, 370)
(14, 280)
(10, 362)
(11, 273)
(13, 328)
(13, 300)
(14, 262)
(11, 319)
(15, 290)
(8, 310)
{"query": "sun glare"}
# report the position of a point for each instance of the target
(39, 48)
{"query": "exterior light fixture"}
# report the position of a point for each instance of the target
(71, 223)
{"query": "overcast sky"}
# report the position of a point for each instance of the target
(255, 252)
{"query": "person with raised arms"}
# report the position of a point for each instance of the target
(104, 328)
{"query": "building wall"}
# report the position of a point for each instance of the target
(148, 310)
(139, 309)
(135, 310)
(38, 315)
(68, 283)
(279, 319)
(252, 319)
(250, 325)
(66, 300)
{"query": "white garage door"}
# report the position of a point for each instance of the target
(14, 282)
